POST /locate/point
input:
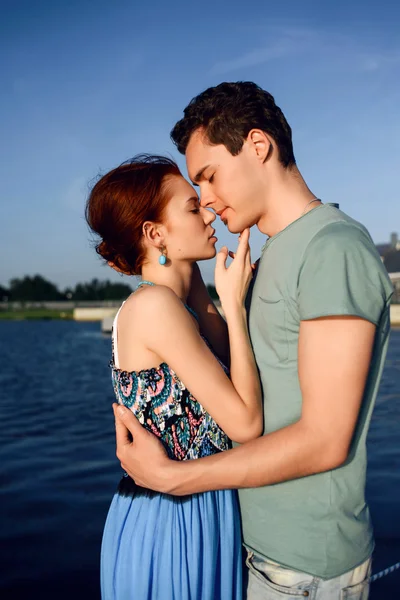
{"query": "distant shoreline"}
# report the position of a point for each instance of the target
(36, 314)
(43, 314)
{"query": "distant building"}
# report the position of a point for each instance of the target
(394, 241)
(387, 247)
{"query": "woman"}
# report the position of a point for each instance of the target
(169, 346)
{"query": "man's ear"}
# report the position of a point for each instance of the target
(261, 143)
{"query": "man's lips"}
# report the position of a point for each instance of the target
(221, 214)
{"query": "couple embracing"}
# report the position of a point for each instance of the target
(274, 400)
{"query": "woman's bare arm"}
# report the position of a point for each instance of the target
(159, 321)
(212, 324)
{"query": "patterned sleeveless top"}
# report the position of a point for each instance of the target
(163, 405)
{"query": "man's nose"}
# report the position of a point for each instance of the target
(207, 199)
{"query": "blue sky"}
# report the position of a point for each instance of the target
(87, 84)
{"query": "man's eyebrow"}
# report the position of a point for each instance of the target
(199, 174)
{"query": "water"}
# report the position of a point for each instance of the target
(59, 471)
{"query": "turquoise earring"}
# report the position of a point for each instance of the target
(163, 258)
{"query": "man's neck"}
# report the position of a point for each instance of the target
(288, 199)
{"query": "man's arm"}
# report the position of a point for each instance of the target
(334, 359)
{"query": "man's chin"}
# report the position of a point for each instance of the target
(232, 228)
(238, 227)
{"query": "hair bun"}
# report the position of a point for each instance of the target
(114, 258)
(105, 250)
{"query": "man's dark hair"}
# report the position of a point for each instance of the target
(228, 112)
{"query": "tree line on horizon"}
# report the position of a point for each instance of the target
(38, 289)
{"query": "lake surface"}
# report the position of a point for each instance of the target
(59, 471)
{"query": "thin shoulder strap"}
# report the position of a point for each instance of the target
(114, 337)
(114, 334)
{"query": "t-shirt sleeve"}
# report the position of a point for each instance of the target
(342, 274)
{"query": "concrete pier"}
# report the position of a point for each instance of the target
(107, 323)
(395, 315)
(94, 313)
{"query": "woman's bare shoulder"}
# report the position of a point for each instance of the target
(150, 304)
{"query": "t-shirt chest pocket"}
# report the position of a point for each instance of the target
(268, 328)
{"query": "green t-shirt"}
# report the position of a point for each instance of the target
(322, 264)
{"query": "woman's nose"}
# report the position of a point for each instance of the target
(208, 216)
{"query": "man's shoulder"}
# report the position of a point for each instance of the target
(340, 242)
(333, 223)
(340, 232)
(326, 222)
(341, 252)
(326, 228)
(327, 236)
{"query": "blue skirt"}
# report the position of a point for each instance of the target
(160, 547)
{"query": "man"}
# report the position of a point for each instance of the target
(319, 325)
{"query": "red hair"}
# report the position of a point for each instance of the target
(121, 201)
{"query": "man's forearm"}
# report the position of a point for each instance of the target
(288, 453)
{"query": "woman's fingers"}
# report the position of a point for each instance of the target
(222, 255)
(243, 245)
(243, 248)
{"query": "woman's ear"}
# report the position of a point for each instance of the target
(153, 234)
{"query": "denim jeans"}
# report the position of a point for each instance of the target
(268, 580)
